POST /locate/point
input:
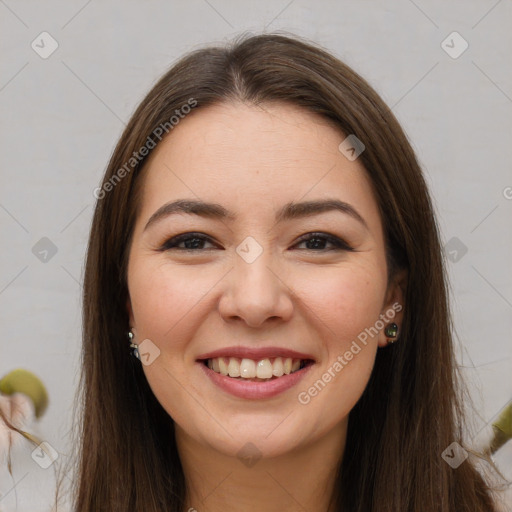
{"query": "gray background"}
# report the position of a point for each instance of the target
(62, 115)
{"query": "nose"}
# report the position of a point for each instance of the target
(255, 293)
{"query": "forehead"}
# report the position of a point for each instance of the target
(247, 156)
(279, 131)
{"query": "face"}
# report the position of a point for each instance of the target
(293, 299)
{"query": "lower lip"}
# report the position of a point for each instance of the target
(255, 390)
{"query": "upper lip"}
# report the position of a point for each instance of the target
(254, 353)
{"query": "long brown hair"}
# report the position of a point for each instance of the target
(410, 411)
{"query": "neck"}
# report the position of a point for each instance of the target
(300, 480)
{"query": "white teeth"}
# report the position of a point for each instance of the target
(277, 367)
(264, 369)
(249, 368)
(234, 367)
(223, 366)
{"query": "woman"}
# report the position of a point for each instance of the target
(265, 243)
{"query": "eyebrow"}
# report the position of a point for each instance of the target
(288, 212)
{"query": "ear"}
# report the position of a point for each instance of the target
(394, 305)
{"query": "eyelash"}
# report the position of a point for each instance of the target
(338, 243)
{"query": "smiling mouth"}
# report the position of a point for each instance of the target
(256, 370)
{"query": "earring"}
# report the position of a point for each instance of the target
(134, 346)
(391, 333)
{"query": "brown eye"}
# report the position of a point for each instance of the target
(317, 241)
(191, 241)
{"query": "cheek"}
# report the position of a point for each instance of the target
(346, 300)
(166, 305)
(347, 304)
(163, 296)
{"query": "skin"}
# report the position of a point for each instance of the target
(252, 160)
